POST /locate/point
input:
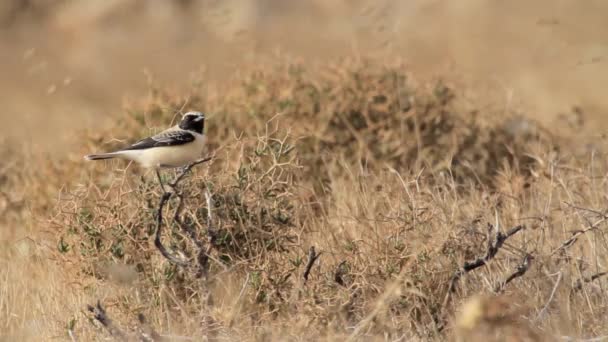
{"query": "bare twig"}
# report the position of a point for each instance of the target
(576, 234)
(159, 220)
(339, 273)
(99, 313)
(144, 332)
(159, 224)
(312, 257)
(187, 169)
(579, 283)
(520, 271)
(160, 180)
(494, 244)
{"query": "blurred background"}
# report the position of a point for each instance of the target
(72, 63)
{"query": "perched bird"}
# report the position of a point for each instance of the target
(175, 147)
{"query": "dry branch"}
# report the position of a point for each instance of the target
(494, 244)
(520, 271)
(159, 224)
(577, 233)
(312, 257)
(201, 259)
(144, 331)
(339, 273)
(579, 283)
(99, 313)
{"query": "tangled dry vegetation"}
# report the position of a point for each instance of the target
(342, 202)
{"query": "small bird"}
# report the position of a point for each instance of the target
(175, 147)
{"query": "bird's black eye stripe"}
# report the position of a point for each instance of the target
(193, 122)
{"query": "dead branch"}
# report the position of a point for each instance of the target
(339, 273)
(520, 271)
(312, 257)
(579, 283)
(187, 169)
(99, 313)
(176, 217)
(144, 332)
(494, 244)
(577, 233)
(159, 224)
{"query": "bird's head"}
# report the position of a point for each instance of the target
(193, 121)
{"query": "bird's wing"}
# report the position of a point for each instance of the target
(166, 138)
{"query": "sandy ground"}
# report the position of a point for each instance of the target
(70, 65)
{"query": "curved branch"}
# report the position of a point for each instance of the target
(159, 217)
(159, 224)
(494, 244)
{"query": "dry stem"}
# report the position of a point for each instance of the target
(494, 244)
(201, 258)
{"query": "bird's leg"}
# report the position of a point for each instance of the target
(160, 181)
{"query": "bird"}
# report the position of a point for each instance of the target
(175, 147)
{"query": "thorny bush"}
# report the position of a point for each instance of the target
(395, 183)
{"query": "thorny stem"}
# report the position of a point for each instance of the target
(159, 218)
(339, 274)
(159, 223)
(494, 244)
(160, 180)
(520, 271)
(145, 332)
(577, 234)
(312, 257)
(99, 313)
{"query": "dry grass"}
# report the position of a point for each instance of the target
(397, 185)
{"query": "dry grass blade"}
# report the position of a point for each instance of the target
(545, 308)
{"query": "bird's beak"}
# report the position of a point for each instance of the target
(199, 118)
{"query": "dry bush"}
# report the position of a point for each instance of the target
(363, 111)
(394, 183)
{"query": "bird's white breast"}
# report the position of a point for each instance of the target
(171, 156)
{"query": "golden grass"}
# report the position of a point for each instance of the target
(395, 183)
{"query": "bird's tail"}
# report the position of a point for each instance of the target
(102, 156)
